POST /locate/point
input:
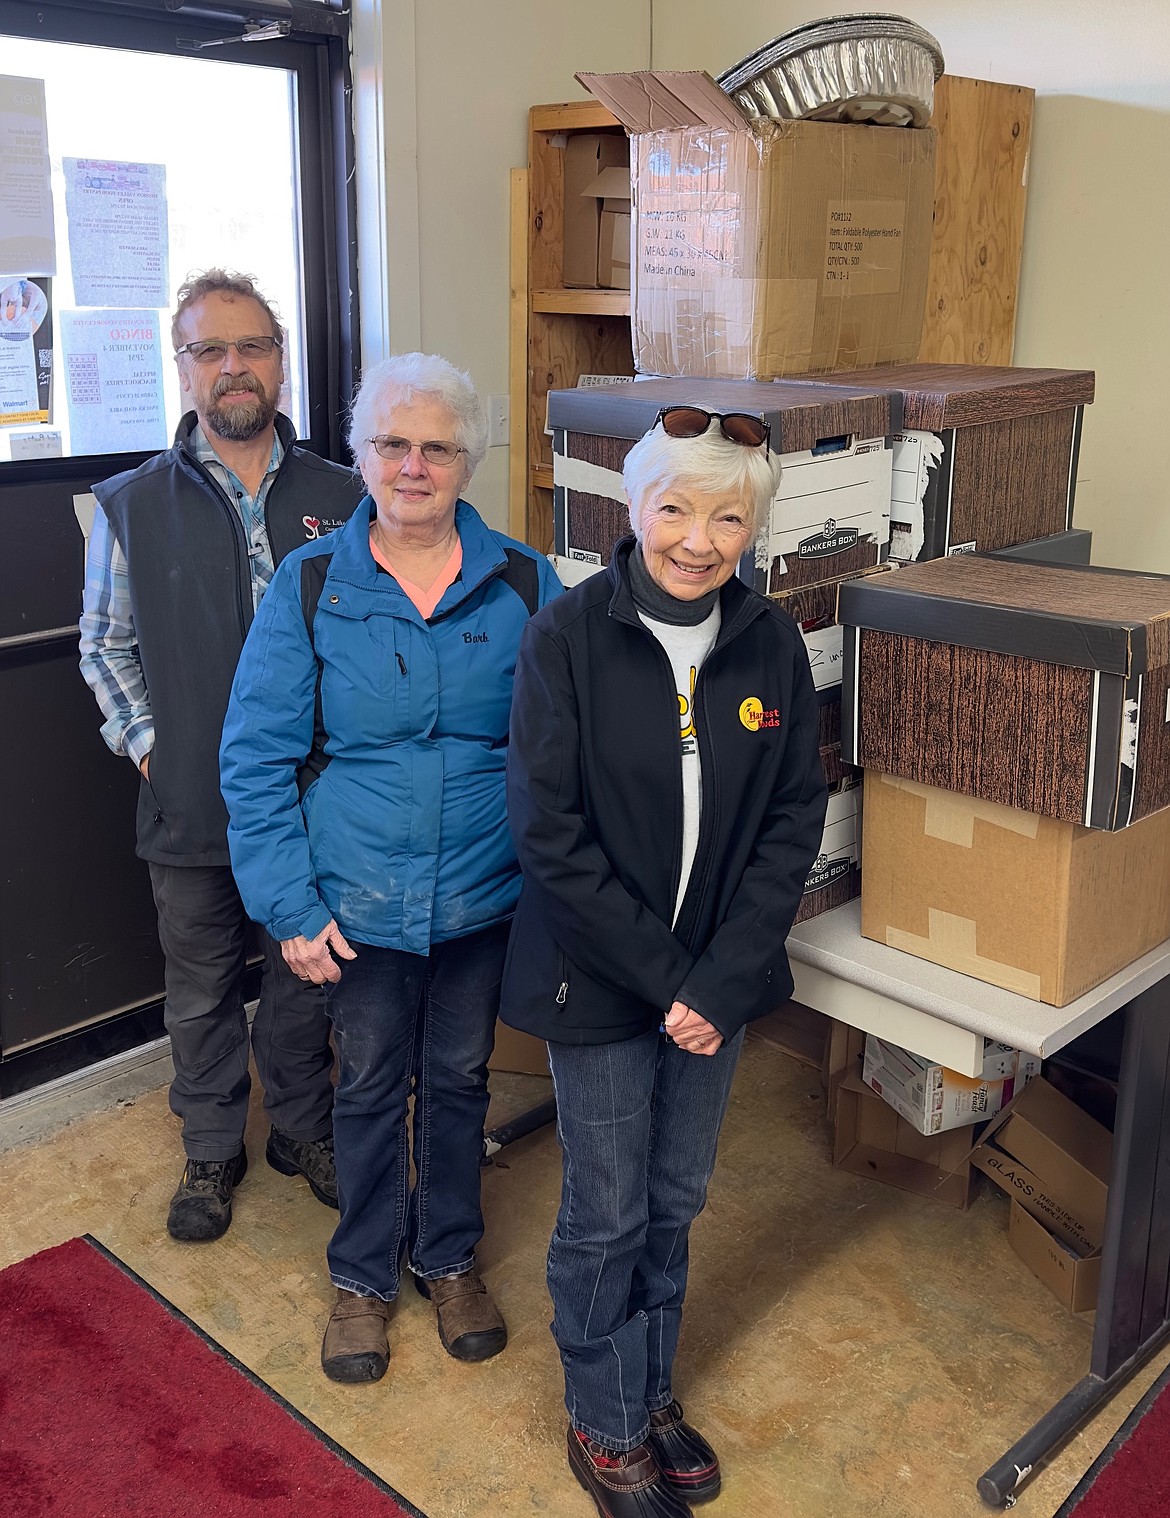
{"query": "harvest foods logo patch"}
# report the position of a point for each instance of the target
(754, 716)
(831, 539)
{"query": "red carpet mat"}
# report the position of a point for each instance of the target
(112, 1402)
(1131, 1476)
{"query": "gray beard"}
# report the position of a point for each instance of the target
(241, 423)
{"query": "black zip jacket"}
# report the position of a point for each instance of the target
(191, 596)
(595, 806)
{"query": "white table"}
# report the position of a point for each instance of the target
(945, 1016)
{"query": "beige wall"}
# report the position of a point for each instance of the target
(1095, 283)
(459, 76)
(474, 70)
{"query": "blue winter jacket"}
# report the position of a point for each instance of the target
(363, 769)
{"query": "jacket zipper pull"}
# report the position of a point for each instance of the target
(401, 662)
(562, 993)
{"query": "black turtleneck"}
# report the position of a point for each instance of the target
(659, 605)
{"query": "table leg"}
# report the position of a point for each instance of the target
(1133, 1315)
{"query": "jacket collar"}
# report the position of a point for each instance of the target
(739, 605)
(353, 561)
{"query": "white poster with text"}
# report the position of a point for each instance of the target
(27, 242)
(117, 216)
(112, 372)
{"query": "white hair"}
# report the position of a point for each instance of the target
(398, 381)
(709, 463)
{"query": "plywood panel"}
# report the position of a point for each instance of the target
(981, 178)
(518, 355)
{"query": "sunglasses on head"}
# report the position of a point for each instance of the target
(736, 426)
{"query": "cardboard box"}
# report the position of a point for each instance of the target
(796, 1029)
(830, 515)
(1044, 687)
(871, 1139)
(1072, 547)
(597, 177)
(769, 248)
(934, 1099)
(1044, 908)
(959, 484)
(613, 247)
(1072, 1277)
(1054, 1160)
(835, 877)
(518, 1053)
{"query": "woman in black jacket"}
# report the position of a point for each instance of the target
(666, 798)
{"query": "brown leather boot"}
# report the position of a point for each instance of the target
(354, 1347)
(470, 1325)
(623, 1485)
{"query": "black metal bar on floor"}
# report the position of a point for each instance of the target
(495, 1139)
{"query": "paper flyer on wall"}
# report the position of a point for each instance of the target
(26, 350)
(111, 364)
(117, 215)
(27, 242)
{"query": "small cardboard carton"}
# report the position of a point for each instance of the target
(518, 1053)
(934, 1099)
(769, 248)
(1042, 907)
(597, 186)
(1071, 1276)
(1054, 1160)
(871, 1139)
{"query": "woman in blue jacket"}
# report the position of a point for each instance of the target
(363, 769)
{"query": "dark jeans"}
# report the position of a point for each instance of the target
(402, 1022)
(204, 930)
(638, 1123)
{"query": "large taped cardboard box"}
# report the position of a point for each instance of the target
(769, 248)
(1054, 1160)
(934, 1099)
(1041, 686)
(870, 1139)
(1044, 908)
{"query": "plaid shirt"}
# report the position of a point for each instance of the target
(110, 663)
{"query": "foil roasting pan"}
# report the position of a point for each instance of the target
(872, 68)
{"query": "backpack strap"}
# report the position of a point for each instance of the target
(313, 572)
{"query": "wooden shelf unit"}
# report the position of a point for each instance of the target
(558, 334)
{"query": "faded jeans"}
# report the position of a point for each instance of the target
(402, 1023)
(638, 1123)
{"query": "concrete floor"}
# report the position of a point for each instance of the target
(848, 1348)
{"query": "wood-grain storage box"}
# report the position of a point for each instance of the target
(1044, 908)
(769, 248)
(986, 457)
(1040, 686)
(831, 513)
(835, 876)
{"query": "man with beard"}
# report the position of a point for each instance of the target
(181, 552)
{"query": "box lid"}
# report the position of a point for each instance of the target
(964, 395)
(660, 100)
(1081, 615)
(611, 184)
(801, 415)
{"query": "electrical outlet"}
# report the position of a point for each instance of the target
(498, 421)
